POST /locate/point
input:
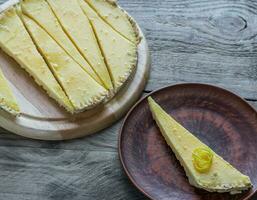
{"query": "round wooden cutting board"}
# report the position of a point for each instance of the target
(43, 119)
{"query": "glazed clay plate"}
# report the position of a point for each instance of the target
(222, 120)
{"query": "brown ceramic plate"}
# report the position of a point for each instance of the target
(221, 119)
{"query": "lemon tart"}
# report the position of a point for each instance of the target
(40, 12)
(7, 99)
(120, 53)
(78, 27)
(80, 57)
(83, 91)
(112, 14)
(16, 42)
(204, 168)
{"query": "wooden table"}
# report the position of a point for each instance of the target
(191, 41)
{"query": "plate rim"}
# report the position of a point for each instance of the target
(244, 197)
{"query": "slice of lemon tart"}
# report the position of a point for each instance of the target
(77, 26)
(7, 99)
(16, 42)
(83, 91)
(204, 168)
(120, 54)
(40, 12)
(115, 17)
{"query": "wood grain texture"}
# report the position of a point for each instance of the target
(200, 41)
(80, 169)
(183, 49)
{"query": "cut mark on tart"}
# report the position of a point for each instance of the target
(115, 17)
(17, 43)
(41, 13)
(83, 91)
(79, 30)
(218, 176)
(8, 101)
(120, 54)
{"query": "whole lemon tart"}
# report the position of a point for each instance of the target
(81, 58)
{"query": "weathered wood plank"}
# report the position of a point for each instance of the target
(200, 41)
(86, 168)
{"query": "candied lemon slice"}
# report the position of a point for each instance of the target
(202, 159)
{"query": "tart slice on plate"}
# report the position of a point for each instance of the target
(204, 168)
(7, 99)
(17, 43)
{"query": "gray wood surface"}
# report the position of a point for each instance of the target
(191, 41)
(200, 41)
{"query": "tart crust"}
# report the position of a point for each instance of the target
(8, 101)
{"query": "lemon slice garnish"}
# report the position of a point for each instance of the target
(202, 159)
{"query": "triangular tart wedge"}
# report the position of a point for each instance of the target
(79, 30)
(115, 17)
(40, 12)
(120, 54)
(83, 91)
(204, 168)
(17, 43)
(7, 100)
